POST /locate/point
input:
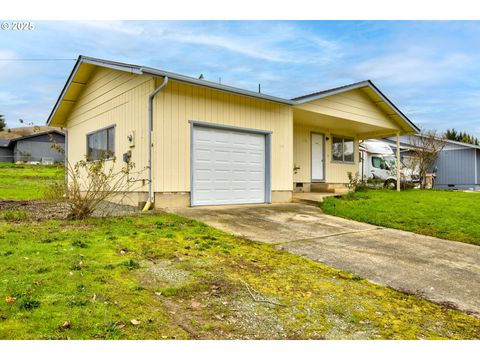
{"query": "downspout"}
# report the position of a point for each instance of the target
(150, 200)
(398, 161)
(65, 162)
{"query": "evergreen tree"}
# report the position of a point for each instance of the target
(3, 124)
(452, 134)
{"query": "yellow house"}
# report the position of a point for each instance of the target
(196, 142)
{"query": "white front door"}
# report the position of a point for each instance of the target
(318, 157)
(229, 167)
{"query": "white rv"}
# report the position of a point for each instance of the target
(378, 161)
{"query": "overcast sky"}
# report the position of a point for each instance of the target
(430, 70)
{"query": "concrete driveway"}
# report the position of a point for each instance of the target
(439, 270)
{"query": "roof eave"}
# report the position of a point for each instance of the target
(92, 61)
(358, 85)
(303, 99)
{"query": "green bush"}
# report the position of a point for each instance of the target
(28, 304)
(355, 183)
(15, 215)
(131, 264)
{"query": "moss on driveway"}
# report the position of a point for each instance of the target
(161, 276)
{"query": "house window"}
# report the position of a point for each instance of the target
(343, 149)
(101, 144)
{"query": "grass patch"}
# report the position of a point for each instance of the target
(161, 276)
(14, 215)
(448, 215)
(29, 182)
(28, 304)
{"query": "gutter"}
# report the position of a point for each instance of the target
(151, 96)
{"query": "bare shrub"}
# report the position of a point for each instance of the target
(426, 149)
(55, 191)
(355, 183)
(90, 184)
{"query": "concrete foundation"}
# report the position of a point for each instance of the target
(182, 199)
(172, 200)
(130, 198)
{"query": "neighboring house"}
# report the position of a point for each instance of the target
(215, 144)
(457, 166)
(36, 147)
(6, 150)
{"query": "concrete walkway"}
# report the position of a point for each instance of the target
(442, 271)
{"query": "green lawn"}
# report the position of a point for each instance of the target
(27, 182)
(161, 276)
(444, 214)
(179, 278)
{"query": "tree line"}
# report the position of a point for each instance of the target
(460, 136)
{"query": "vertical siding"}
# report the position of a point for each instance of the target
(478, 166)
(112, 98)
(178, 103)
(30, 150)
(456, 167)
(334, 172)
(6, 155)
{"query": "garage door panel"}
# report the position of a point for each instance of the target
(228, 167)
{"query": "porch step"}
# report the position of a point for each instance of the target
(312, 198)
(329, 188)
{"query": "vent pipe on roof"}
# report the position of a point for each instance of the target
(150, 200)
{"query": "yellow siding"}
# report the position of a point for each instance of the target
(112, 98)
(178, 103)
(353, 105)
(334, 172)
(117, 98)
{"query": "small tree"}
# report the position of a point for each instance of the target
(426, 148)
(3, 124)
(91, 183)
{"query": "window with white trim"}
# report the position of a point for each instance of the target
(343, 149)
(101, 144)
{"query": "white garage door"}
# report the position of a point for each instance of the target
(228, 167)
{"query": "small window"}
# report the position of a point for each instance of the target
(343, 149)
(101, 144)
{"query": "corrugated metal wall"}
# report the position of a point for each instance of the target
(478, 166)
(6, 155)
(29, 150)
(456, 167)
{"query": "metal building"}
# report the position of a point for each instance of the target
(457, 166)
(6, 150)
(36, 147)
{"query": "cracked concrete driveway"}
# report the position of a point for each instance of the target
(442, 271)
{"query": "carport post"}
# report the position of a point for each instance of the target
(398, 161)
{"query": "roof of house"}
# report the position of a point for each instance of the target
(404, 142)
(14, 133)
(39, 134)
(145, 70)
(10, 141)
(4, 143)
(358, 85)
